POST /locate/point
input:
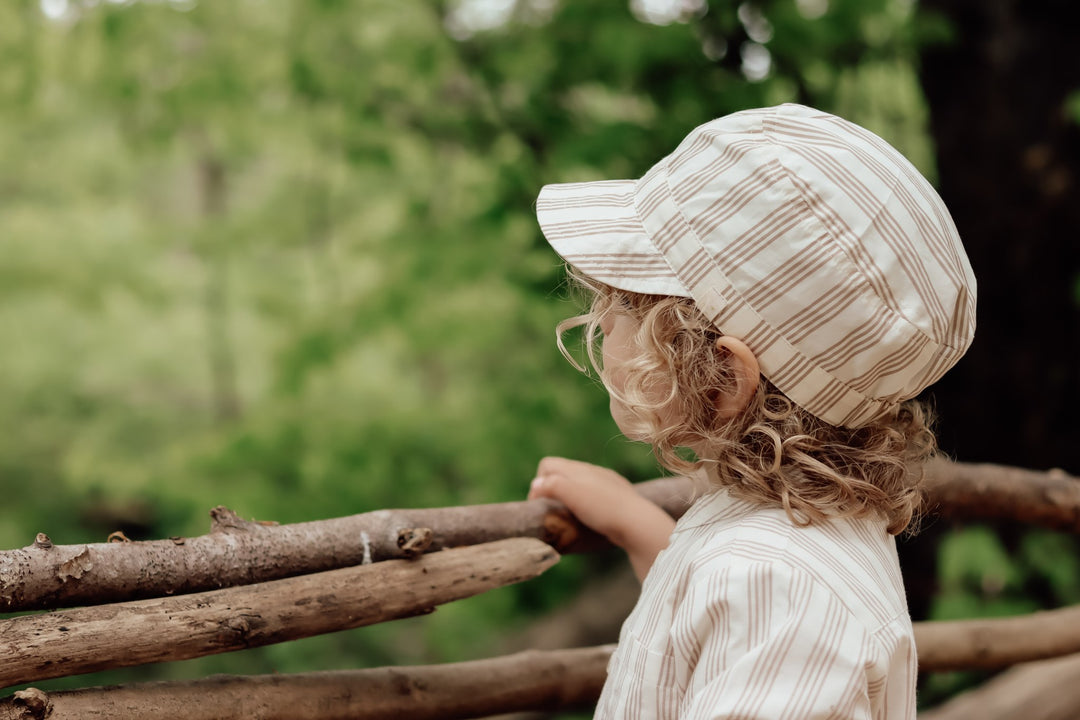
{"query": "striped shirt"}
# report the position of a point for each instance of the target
(748, 616)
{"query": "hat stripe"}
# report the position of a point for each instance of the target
(824, 308)
(861, 338)
(860, 194)
(796, 269)
(609, 274)
(687, 152)
(846, 238)
(772, 227)
(649, 202)
(903, 355)
(905, 254)
(702, 177)
(831, 394)
(581, 262)
(674, 230)
(941, 248)
(592, 200)
(758, 335)
(730, 153)
(615, 201)
(792, 373)
(696, 267)
(586, 229)
(736, 200)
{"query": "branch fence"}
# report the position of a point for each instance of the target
(246, 584)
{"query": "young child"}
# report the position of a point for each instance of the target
(771, 296)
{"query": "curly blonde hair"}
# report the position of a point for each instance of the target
(774, 452)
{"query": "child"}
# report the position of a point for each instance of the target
(771, 296)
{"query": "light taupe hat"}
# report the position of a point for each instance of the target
(808, 237)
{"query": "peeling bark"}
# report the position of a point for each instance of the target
(532, 680)
(71, 642)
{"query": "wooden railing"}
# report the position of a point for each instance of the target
(246, 584)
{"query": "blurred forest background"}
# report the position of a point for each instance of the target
(280, 255)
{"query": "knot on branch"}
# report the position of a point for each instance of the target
(236, 630)
(414, 541)
(42, 541)
(222, 519)
(34, 703)
(561, 529)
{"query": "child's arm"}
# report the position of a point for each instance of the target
(606, 502)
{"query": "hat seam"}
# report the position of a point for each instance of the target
(841, 252)
(637, 214)
(768, 133)
(885, 402)
(773, 330)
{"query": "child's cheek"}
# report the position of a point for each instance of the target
(631, 425)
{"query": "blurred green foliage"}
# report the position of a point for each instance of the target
(280, 256)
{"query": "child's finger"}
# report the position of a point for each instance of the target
(557, 487)
(537, 488)
(549, 485)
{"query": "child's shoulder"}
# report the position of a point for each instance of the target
(852, 559)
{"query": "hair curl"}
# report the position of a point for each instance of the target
(774, 452)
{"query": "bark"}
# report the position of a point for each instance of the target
(71, 642)
(1044, 690)
(240, 552)
(1048, 499)
(997, 642)
(539, 680)
(531, 681)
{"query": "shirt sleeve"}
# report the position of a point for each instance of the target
(761, 640)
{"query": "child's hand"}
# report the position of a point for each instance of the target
(606, 502)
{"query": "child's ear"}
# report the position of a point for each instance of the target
(747, 376)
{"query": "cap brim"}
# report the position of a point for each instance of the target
(594, 226)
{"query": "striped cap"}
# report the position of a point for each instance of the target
(808, 237)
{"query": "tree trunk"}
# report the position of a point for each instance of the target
(1009, 170)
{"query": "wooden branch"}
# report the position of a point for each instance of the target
(1044, 690)
(241, 552)
(539, 680)
(531, 680)
(70, 642)
(1048, 499)
(997, 642)
(238, 552)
